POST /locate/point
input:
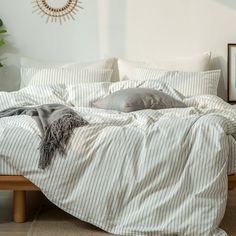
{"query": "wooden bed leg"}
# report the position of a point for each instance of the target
(19, 206)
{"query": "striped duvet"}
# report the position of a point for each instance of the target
(149, 172)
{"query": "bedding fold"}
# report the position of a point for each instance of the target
(148, 172)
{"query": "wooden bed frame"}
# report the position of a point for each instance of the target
(20, 185)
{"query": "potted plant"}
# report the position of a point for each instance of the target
(2, 42)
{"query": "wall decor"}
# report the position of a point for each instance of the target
(231, 73)
(57, 11)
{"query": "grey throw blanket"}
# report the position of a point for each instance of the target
(56, 123)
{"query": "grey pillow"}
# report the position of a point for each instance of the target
(133, 99)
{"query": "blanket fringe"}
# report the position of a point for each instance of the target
(56, 137)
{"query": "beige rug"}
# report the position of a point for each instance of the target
(52, 221)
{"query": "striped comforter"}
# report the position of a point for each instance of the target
(149, 172)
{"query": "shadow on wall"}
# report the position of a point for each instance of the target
(117, 42)
(117, 32)
(220, 63)
(9, 74)
(9, 78)
(229, 3)
(112, 28)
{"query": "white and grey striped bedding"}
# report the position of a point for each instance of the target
(48, 76)
(149, 172)
(188, 83)
(6, 168)
(31, 67)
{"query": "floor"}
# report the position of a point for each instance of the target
(7, 228)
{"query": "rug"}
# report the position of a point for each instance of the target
(51, 221)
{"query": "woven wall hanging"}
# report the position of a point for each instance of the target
(67, 9)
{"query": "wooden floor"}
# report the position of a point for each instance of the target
(7, 228)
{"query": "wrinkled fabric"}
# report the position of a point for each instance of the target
(149, 172)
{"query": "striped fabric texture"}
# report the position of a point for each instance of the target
(149, 172)
(30, 67)
(34, 76)
(188, 83)
(6, 168)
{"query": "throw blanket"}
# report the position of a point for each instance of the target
(56, 123)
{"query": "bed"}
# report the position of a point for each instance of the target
(124, 170)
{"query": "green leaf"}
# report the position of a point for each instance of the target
(1, 23)
(1, 42)
(1, 65)
(2, 31)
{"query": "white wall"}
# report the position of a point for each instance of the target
(133, 29)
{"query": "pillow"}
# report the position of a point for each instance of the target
(64, 76)
(187, 83)
(84, 94)
(196, 63)
(30, 67)
(133, 99)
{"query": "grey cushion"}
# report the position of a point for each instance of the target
(133, 99)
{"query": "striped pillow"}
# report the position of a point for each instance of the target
(33, 76)
(29, 67)
(83, 94)
(187, 83)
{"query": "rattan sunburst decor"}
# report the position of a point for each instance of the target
(66, 10)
